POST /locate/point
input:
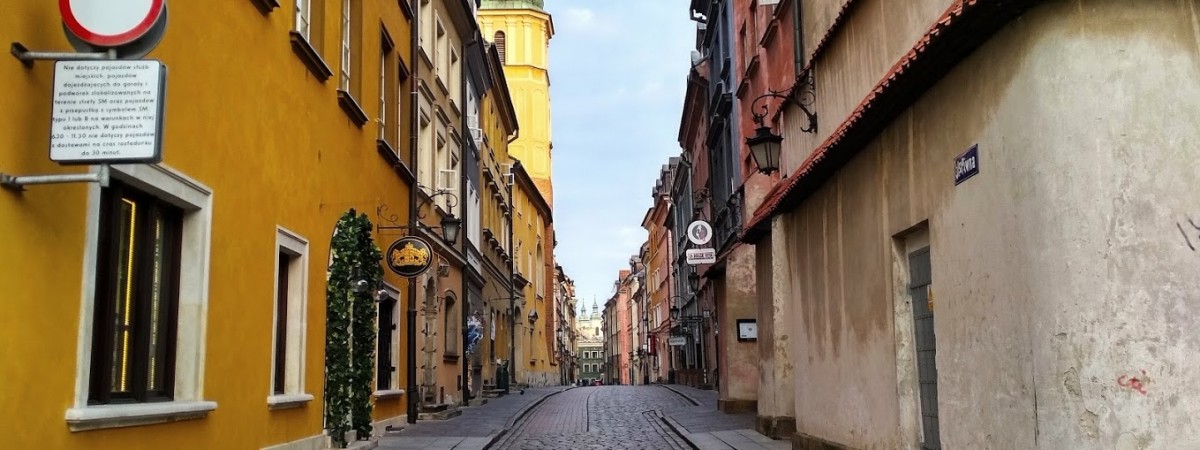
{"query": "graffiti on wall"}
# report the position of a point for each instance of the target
(1190, 231)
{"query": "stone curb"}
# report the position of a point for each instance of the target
(518, 416)
(679, 429)
(689, 398)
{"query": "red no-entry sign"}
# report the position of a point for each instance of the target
(110, 23)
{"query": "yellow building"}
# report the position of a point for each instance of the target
(498, 123)
(521, 31)
(533, 243)
(278, 121)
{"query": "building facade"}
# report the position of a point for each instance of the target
(521, 31)
(590, 344)
(767, 68)
(565, 336)
(230, 247)
(532, 225)
(994, 201)
(658, 223)
(490, 364)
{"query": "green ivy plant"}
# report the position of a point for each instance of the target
(354, 276)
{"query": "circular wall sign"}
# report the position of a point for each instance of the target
(699, 232)
(110, 23)
(409, 256)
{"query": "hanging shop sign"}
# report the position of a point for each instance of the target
(699, 232)
(696, 256)
(409, 256)
(966, 165)
(110, 23)
(107, 112)
(677, 341)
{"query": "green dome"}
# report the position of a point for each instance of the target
(512, 4)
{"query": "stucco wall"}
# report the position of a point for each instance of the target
(740, 359)
(1060, 272)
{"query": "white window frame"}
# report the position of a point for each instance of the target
(195, 200)
(304, 18)
(344, 83)
(392, 292)
(383, 103)
(297, 321)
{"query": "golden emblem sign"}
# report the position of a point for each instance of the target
(409, 256)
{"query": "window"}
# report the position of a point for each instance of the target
(304, 18)
(425, 167)
(450, 319)
(498, 39)
(385, 51)
(141, 323)
(291, 281)
(344, 83)
(136, 312)
(455, 76)
(386, 376)
(441, 56)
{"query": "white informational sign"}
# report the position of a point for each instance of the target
(701, 256)
(699, 232)
(110, 23)
(677, 341)
(107, 112)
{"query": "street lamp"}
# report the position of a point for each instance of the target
(765, 145)
(450, 227)
(765, 149)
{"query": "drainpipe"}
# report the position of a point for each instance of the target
(798, 50)
(411, 332)
(465, 302)
(512, 293)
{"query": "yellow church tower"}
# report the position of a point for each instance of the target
(521, 31)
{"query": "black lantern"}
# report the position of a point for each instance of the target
(765, 149)
(450, 227)
(694, 281)
(675, 312)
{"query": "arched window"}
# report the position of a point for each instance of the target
(450, 324)
(499, 41)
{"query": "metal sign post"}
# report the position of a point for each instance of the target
(108, 104)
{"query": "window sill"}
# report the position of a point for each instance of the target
(285, 401)
(449, 357)
(441, 84)
(116, 416)
(425, 55)
(265, 6)
(309, 56)
(388, 393)
(351, 108)
(398, 165)
(406, 9)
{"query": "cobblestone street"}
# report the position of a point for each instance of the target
(604, 417)
(590, 418)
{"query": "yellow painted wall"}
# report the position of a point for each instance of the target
(527, 40)
(495, 199)
(530, 229)
(248, 120)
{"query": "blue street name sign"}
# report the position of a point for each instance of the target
(966, 165)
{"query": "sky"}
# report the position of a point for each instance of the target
(618, 71)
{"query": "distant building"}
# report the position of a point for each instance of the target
(590, 343)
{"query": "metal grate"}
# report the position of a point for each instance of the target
(920, 275)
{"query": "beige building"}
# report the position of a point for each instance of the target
(445, 26)
(990, 240)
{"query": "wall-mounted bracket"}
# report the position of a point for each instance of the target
(27, 57)
(18, 183)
